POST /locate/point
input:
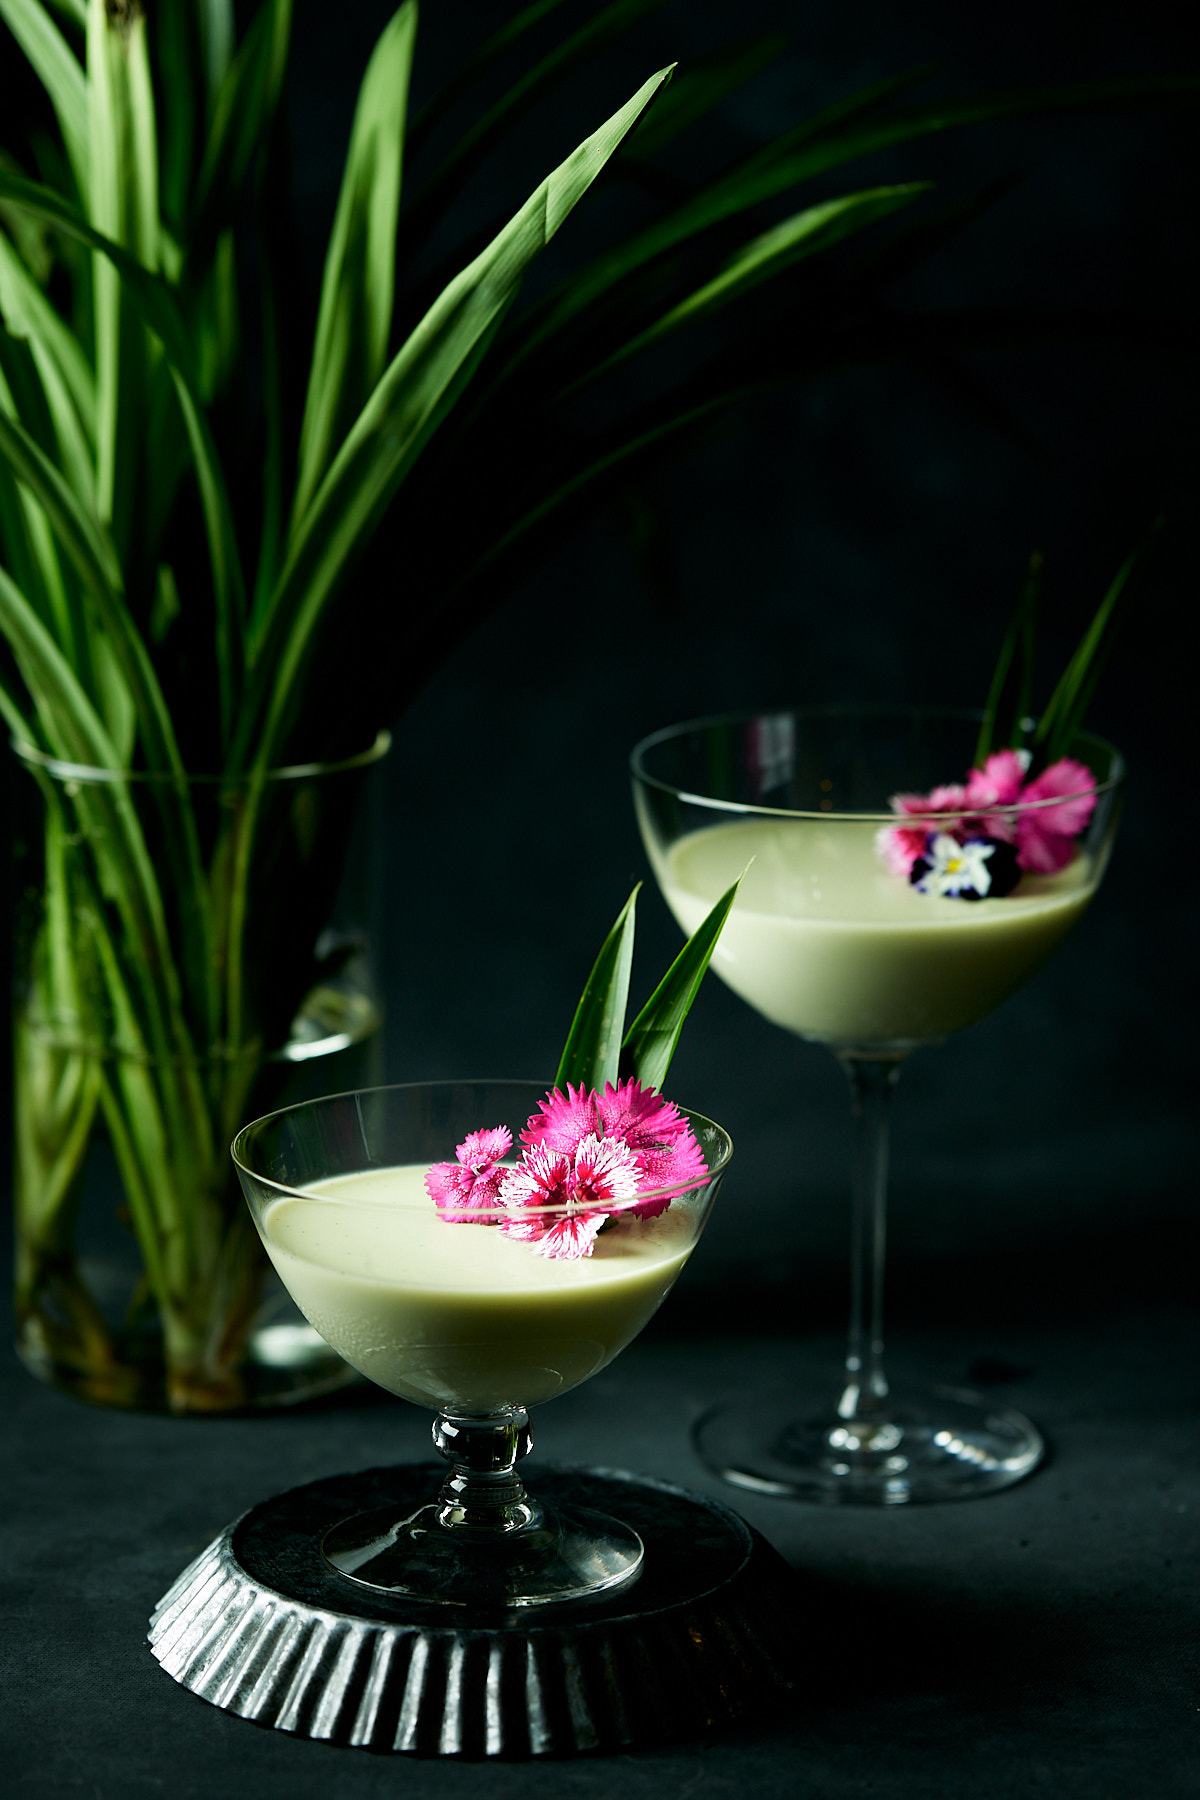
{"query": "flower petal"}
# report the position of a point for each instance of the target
(570, 1237)
(461, 1196)
(1045, 834)
(541, 1178)
(901, 845)
(998, 783)
(562, 1120)
(639, 1116)
(604, 1170)
(953, 870)
(480, 1150)
(664, 1146)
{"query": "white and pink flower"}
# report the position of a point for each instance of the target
(995, 804)
(576, 1193)
(586, 1156)
(901, 845)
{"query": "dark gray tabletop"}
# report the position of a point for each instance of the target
(1045, 1637)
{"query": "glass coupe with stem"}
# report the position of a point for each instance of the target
(825, 940)
(462, 1318)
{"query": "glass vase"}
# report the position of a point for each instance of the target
(189, 952)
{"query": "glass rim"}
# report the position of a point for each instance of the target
(849, 709)
(634, 1204)
(95, 774)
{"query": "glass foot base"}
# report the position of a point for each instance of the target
(567, 1553)
(934, 1444)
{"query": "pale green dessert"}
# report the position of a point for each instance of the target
(462, 1317)
(825, 940)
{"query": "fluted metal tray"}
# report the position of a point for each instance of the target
(706, 1637)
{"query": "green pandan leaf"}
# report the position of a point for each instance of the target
(246, 96)
(156, 307)
(395, 423)
(762, 177)
(1011, 693)
(59, 71)
(1062, 719)
(490, 125)
(651, 1040)
(806, 234)
(355, 317)
(592, 1053)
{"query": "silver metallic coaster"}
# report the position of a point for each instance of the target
(261, 1626)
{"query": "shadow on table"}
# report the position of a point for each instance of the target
(881, 1641)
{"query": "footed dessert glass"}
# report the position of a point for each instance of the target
(836, 943)
(465, 1318)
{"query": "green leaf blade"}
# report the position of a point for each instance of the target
(770, 171)
(805, 234)
(1063, 716)
(24, 524)
(397, 419)
(64, 371)
(247, 94)
(473, 150)
(103, 204)
(82, 535)
(156, 308)
(59, 71)
(143, 229)
(76, 731)
(355, 314)
(651, 1040)
(90, 550)
(592, 1054)
(1010, 695)
(854, 127)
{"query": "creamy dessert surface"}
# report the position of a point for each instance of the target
(825, 940)
(462, 1315)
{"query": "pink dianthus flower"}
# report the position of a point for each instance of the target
(1046, 834)
(665, 1151)
(586, 1157)
(901, 845)
(465, 1189)
(995, 802)
(575, 1191)
(997, 784)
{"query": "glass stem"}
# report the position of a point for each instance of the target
(483, 1496)
(871, 1082)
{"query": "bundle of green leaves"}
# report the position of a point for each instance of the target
(179, 514)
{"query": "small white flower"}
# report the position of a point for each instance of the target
(954, 868)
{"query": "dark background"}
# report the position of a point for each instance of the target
(861, 536)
